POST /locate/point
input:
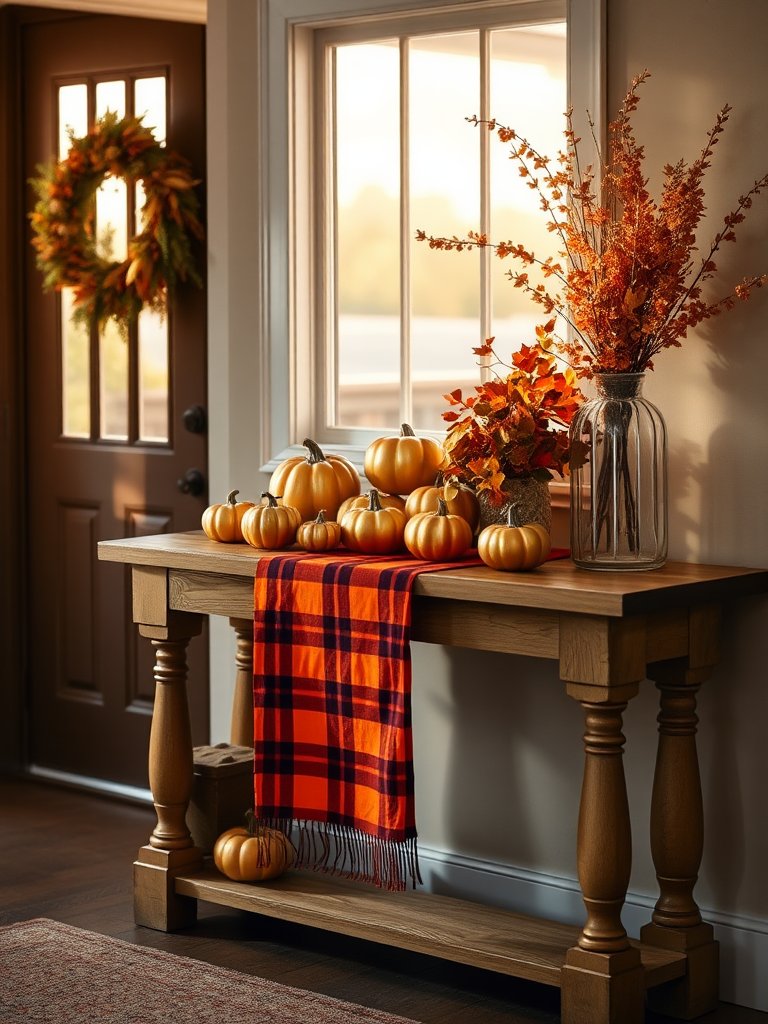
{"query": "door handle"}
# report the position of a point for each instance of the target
(194, 419)
(193, 482)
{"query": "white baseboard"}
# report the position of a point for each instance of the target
(743, 940)
(85, 783)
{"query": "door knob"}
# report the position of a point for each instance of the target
(194, 419)
(193, 482)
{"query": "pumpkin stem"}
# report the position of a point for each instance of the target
(374, 504)
(250, 822)
(315, 451)
(406, 430)
(512, 519)
(442, 508)
(232, 497)
(320, 516)
(271, 499)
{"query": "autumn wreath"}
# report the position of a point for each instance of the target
(63, 222)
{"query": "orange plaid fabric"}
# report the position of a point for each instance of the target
(332, 717)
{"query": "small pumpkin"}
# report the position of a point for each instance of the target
(362, 500)
(315, 481)
(374, 530)
(319, 534)
(398, 465)
(270, 525)
(222, 522)
(253, 854)
(459, 500)
(510, 547)
(438, 536)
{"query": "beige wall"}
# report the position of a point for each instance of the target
(498, 753)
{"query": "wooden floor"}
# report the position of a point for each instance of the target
(67, 856)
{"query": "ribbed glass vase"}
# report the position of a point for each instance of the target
(619, 494)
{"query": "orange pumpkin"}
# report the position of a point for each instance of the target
(270, 525)
(362, 500)
(461, 502)
(222, 522)
(319, 534)
(437, 536)
(373, 530)
(398, 465)
(510, 547)
(315, 481)
(253, 854)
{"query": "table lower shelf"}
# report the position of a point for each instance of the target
(441, 926)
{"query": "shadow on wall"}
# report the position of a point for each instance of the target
(514, 757)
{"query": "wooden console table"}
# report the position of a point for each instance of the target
(608, 632)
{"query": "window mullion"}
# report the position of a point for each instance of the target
(406, 392)
(484, 254)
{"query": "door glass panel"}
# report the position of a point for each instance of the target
(113, 383)
(149, 102)
(73, 115)
(75, 357)
(110, 96)
(153, 376)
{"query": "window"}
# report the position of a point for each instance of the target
(371, 143)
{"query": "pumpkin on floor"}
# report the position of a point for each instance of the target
(253, 854)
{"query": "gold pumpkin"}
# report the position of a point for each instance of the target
(510, 547)
(319, 534)
(270, 525)
(315, 482)
(223, 522)
(362, 500)
(437, 536)
(373, 530)
(253, 854)
(398, 465)
(462, 501)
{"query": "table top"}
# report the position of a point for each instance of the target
(556, 586)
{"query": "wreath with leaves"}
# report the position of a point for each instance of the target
(63, 221)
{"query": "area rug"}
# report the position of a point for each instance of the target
(52, 973)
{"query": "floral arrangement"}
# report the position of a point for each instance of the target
(63, 222)
(628, 283)
(514, 426)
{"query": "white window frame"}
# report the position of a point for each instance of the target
(291, 389)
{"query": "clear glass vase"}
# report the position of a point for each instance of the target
(619, 492)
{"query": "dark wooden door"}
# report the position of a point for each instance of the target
(107, 436)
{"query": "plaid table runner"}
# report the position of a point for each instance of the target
(333, 760)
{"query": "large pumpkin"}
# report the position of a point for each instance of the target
(437, 536)
(253, 854)
(315, 482)
(510, 547)
(270, 525)
(373, 530)
(398, 465)
(223, 522)
(459, 500)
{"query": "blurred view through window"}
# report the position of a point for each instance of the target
(402, 156)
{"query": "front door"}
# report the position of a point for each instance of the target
(116, 440)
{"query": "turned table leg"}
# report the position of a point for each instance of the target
(241, 730)
(170, 849)
(603, 979)
(677, 839)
